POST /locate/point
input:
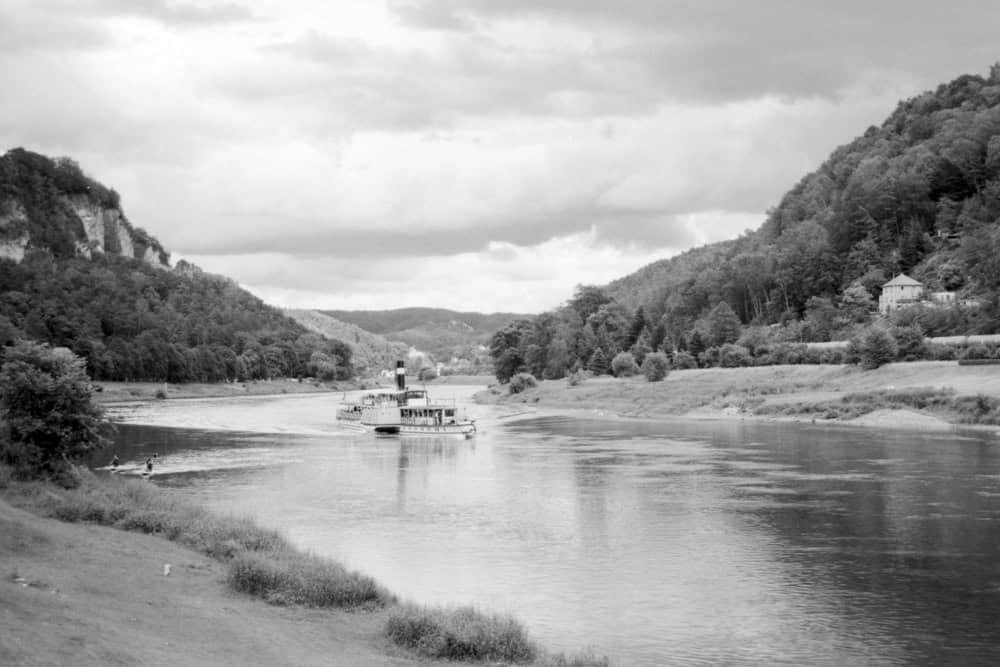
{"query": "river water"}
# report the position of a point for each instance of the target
(677, 543)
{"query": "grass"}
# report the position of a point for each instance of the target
(975, 409)
(263, 564)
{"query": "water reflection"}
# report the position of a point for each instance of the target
(678, 543)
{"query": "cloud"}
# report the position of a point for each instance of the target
(506, 277)
(22, 29)
(734, 50)
(477, 144)
(176, 13)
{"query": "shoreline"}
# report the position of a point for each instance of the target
(124, 572)
(835, 395)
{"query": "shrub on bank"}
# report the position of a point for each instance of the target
(520, 382)
(734, 356)
(874, 347)
(623, 365)
(684, 360)
(655, 366)
(460, 634)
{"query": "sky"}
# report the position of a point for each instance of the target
(485, 155)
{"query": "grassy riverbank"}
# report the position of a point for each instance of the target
(920, 394)
(85, 581)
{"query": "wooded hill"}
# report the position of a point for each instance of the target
(75, 273)
(371, 352)
(918, 195)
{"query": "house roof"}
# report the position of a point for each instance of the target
(903, 280)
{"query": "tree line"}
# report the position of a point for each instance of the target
(131, 321)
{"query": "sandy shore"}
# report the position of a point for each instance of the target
(757, 393)
(123, 392)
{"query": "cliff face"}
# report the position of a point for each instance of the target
(50, 204)
(13, 230)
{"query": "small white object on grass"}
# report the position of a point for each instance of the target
(166, 569)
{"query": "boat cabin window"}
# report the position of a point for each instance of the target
(450, 412)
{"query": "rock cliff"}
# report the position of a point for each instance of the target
(51, 204)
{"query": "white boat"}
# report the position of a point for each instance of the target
(407, 411)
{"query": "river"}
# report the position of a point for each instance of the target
(655, 543)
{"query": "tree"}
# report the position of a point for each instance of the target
(598, 363)
(722, 325)
(635, 327)
(655, 366)
(45, 396)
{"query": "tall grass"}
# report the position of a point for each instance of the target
(291, 577)
(460, 634)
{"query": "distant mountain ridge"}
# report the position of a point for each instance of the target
(440, 332)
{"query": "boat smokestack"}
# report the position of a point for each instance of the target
(400, 375)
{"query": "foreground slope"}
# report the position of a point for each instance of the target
(89, 595)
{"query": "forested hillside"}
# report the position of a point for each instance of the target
(919, 195)
(68, 279)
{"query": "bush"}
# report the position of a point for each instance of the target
(426, 374)
(576, 377)
(655, 366)
(520, 382)
(733, 356)
(875, 347)
(460, 634)
(45, 396)
(910, 343)
(683, 360)
(709, 358)
(975, 351)
(941, 352)
(623, 365)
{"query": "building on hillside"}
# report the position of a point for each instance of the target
(900, 292)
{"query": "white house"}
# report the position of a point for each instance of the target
(900, 292)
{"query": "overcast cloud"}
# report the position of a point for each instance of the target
(480, 155)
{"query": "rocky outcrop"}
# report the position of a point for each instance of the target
(13, 230)
(108, 231)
